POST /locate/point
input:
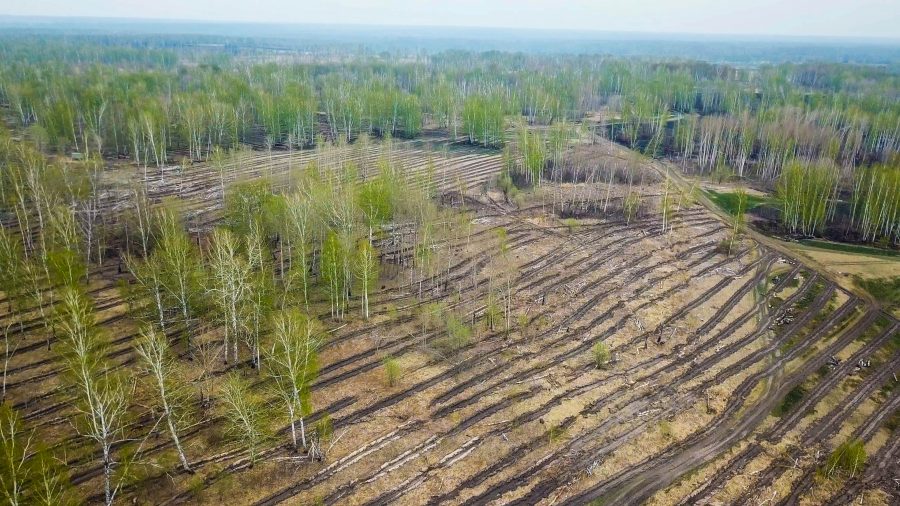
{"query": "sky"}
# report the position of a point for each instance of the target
(829, 18)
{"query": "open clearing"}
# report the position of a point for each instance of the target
(704, 346)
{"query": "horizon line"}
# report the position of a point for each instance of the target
(584, 31)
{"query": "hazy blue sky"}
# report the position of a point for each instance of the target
(852, 18)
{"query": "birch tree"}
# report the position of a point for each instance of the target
(179, 262)
(101, 403)
(12, 268)
(366, 269)
(244, 415)
(160, 366)
(293, 363)
(301, 221)
(260, 289)
(148, 274)
(229, 273)
(50, 484)
(333, 258)
(15, 448)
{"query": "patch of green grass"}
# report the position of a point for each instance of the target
(728, 201)
(886, 290)
(848, 458)
(571, 223)
(776, 278)
(807, 298)
(850, 248)
(195, 485)
(556, 433)
(665, 428)
(790, 400)
(893, 422)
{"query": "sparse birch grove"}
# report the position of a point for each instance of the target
(264, 270)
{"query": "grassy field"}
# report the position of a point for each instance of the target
(728, 201)
(850, 248)
(886, 290)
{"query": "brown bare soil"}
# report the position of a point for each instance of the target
(704, 347)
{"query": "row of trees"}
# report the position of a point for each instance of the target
(753, 121)
(722, 120)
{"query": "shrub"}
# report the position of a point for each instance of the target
(630, 206)
(324, 428)
(601, 354)
(392, 371)
(458, 335)
(507, 186)
(790, 400)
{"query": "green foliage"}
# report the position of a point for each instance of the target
(50, 481)
(377, 198)
(849, 458)
(493, 312)
(502, 240)
(246, 203)
(293, 362)
(334, 256)
(507, 186)
(392, 371)
(601, 354)
(559, 137)
(794, 396)
(886, 290)
(458, 334)
(630, 205)
(665, 429)
(66, 267)
(324, 429)
(171, 394)
(178, 260)
(29, 473)
(532, 153)
(15, 443)
(730, 202)
(366, 271)
(430, 316)
(101, 393)
(555, 434)
(12, 267)
(484, 119)
(230, 274)
(94, 95)
(806, 194)
(876, 202)
(244, 414)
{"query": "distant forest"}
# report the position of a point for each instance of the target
(161, 99)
